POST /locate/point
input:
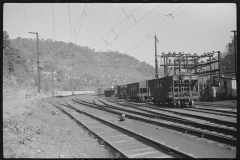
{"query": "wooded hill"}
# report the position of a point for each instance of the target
(89, 69)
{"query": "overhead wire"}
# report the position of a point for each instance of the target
(99, 25)
(16, 29)
(73, 31)
(128, 17)
(53, 33)
(110, 31)
(42, 19)
(164, 25)
(127, 9)
(148, 34)
(35, 15)
(132, 25)
(116, 21)
(82, 20)
(81, 17)
(25, 16)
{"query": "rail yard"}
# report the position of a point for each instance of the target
(154, 131)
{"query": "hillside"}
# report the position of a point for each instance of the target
(88, 68)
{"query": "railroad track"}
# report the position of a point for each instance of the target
(229, 123)
(114, 136)
(224, 112)
(184, 126)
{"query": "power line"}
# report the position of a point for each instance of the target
(25, 16)
(116, 21)
(99, 24)
(16, 29)
(133, 25)
(70, 22)
(128, 9)
(129, 15)
(164, 25)
(153, 28)
(35, 16)
(82, 20)
(42, 19)
(72, 33)
(110, 31)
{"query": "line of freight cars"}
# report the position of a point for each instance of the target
(177, 90)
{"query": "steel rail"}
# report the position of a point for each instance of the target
(200, 133)
(232, 132)
(217, 121)
(146, 140)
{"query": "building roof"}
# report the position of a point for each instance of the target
(229, 77)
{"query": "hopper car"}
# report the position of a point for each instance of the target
(176, 90)
(138, 91)
(109, 92)
(122, 91)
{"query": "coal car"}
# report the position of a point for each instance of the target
(177, 90)
(138, 91)
(122, 91)
(109, 92)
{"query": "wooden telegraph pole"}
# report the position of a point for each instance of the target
(156, 61)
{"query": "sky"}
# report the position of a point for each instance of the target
(128, 28)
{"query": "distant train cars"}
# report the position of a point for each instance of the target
(100, 91)
(176, 90)
(122, 91)
(109, 92)
(138, 91)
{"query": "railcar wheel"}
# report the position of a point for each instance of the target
(178, 104)
(192, 104)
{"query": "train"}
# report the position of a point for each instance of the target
(100, 91)
(71, 93)
(109, 92)
(176, 90)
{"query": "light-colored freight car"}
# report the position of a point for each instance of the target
(63, 93)
(177, 90)
(138, 91)
(100, 91)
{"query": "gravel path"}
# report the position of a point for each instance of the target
(33, 128)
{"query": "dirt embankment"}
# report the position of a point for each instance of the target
(39, 130)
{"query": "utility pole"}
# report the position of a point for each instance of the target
(156, 61)
(52, 80)
(235, 49)
(38, 70)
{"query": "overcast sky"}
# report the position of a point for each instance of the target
(126, 27)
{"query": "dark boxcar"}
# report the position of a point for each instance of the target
(122, 91)
(107, 92)
(100, 91)
(138, 91)
(176, 90)
(115, 91)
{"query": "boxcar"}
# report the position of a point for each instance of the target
(100, 91)
(138, 91)
(122, 91)
(115, 91)
(177, 90)
(108, 92)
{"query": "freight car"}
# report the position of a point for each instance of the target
(138, 91)
(177, 90)
(115, 91)
(108, 92)
(100, 91)
(122, 91)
